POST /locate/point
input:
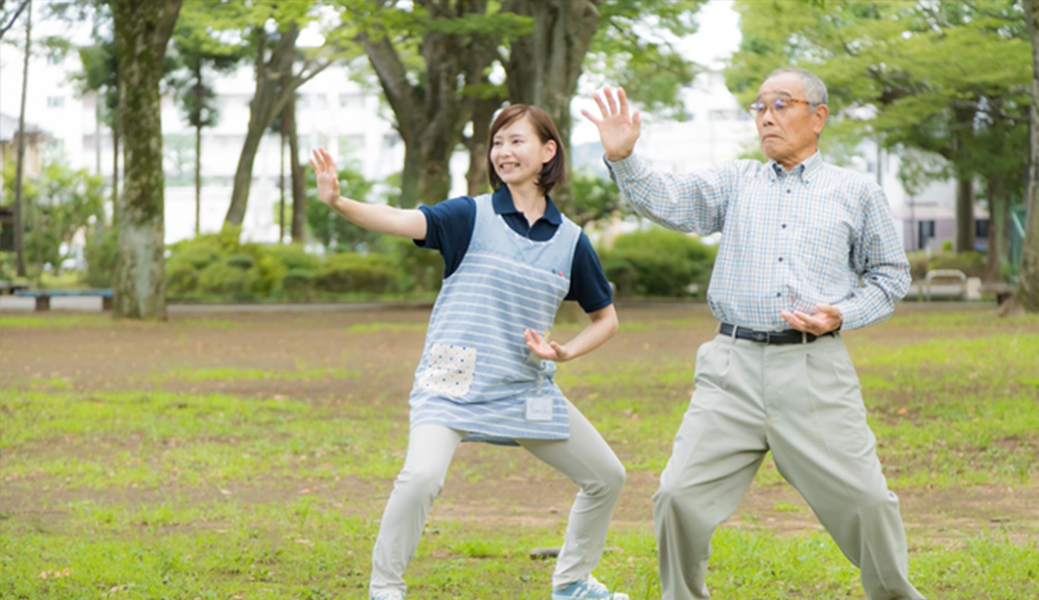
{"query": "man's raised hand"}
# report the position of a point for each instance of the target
(618, 128)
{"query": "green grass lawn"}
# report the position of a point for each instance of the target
(140, 489)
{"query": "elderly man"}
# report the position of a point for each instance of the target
(808, 250)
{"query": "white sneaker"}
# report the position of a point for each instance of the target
(587, 589)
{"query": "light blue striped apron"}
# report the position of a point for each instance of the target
(477, 374)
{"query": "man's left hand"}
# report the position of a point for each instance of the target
(827, 319)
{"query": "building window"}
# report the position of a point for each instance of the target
(351, 101)
(55, 101)
(925, 231)
(981, 228)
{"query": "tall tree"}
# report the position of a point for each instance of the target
(142, 30)
(429, 57)
(544, 66)
(9, 14)
(434, 58)
(297, 174)
(199, 53)
(892, 58)
(1028, 278)
(100, 76)
(277, 80)
(19, 225)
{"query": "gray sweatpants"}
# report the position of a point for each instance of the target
(802, 402)
(585, 458)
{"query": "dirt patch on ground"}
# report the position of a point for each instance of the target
(134, 356)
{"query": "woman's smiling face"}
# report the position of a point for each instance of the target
(518, 154)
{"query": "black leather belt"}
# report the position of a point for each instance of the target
(786, 336)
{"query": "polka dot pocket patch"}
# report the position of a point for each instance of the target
(449, 370)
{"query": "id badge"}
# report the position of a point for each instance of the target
(539, 408)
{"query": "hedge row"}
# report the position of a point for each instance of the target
(219, 267)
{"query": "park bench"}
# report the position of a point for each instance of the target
(1003, 291)
(10, 287)
(43, 297)
(943, 287)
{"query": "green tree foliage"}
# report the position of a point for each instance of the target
(60, 204)
(1028, 281)
(596, 198)
(272, 29)
(201, 56)
(142, 31)
(434, 58)
(332, 231)
(657, 262)
(888, 69)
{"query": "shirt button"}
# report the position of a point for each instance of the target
(780, 259)
(789, 191)
(779, 295)
(783, 225)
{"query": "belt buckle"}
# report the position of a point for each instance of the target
(761, 336)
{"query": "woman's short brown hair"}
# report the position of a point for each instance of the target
(554, 171)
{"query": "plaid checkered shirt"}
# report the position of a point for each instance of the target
(790, 240)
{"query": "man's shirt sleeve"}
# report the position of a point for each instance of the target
(693, 202)
(880, 262)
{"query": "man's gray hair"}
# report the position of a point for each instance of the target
(815, 89)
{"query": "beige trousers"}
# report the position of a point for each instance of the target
(802, 402)
(585, 458)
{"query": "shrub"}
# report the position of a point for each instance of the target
(221, 279)
(295, 285)
(973, 264)
(421, 269)
(181, 280)
(293, 256)
(350, 272)
(101, 253)
(242, 261)
(657, 262)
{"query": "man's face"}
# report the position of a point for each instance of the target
(789, 136)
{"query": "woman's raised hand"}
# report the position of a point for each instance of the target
(618, 129)
(327, 176)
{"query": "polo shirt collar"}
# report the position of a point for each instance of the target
(503, 205)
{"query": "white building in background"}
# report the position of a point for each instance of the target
(338, 114)
(332, 111)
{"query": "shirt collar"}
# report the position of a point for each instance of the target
(503, 205)
(806, 170)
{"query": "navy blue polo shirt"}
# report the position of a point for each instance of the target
(449, 229)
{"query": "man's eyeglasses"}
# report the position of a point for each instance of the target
(778, 106)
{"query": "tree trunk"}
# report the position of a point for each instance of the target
(275, 86)
(198, 148)
(281, 180)
(19, 233)
(544, 67)
(485, 99)
(142, 30)
(998, 203)
(477, 178)
(299, 175)
(964, 214)
(430, 115)
(116, 129)
(1028, 277)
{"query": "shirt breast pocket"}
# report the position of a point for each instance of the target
(828, 245)
(449, 371)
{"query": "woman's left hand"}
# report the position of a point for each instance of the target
(544, 348)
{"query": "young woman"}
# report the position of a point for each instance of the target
(486, 372)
